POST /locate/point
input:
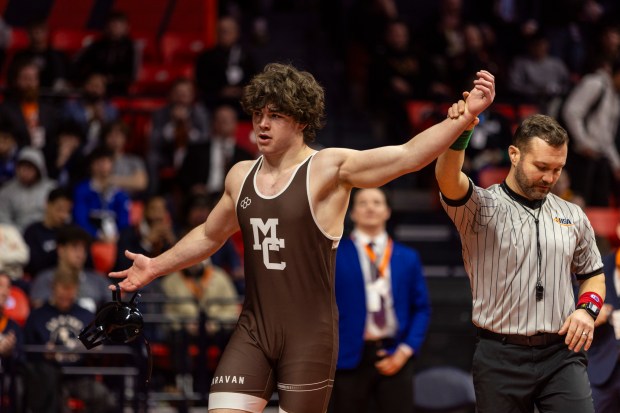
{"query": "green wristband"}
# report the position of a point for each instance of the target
(460, 144)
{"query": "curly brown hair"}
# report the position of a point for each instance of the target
(290, 91)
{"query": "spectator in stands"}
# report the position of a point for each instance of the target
(221, 72)
(206, 164)
(53, 64)
(8, 154)
(113, 55)
(66, 162)
(444, 41)
(41, 236)
(201, 288)
(33, 121)
(11, 345)
(384, 312)
(396, 76)
(181, 122)
(128, 171)
(510, 21)
(100, 207)
(537, 77)
(479, 51)
(563, 188)
(604, 46)
(591, 113)
(58, 322)
(152, 236)
(207, 288)
(14, 252)
(488, 143)
(91, 111)
(72, 245)
(22, 199)
(367, 22)
(567, 25)
(5, 39)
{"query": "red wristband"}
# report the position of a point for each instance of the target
(590, 297)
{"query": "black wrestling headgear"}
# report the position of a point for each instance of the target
(116, 321)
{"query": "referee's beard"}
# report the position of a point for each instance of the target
(530, 189)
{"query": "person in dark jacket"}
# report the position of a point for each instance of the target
(384, 312)
(113, 55)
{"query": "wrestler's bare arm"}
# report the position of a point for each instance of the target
(197, 245)
(336, 170)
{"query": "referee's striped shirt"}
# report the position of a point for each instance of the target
(498, 236)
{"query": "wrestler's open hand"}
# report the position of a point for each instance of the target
(579, 330)
(137, 276)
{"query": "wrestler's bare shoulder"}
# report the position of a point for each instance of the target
(240, 170)
(333, 156)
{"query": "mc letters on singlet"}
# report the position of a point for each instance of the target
(271, 242)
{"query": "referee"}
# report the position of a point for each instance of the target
(521, 245)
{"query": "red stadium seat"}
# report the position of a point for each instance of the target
(70, 14)
(506, 110)
(186, 70)
(153, 79)
(604, 221)
(136, 212)
(198, 17)
(147, 46)
(104, 255)
(181, 47)
(72, 41)
(17, 307)
(124, 104)
(143, 16)
(244, 136)
(525, 111)
(419, 111)
(139, 123)
(17, 40)
(491, 175)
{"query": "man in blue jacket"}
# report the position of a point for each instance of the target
(384, 313)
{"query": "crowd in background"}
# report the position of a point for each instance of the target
(73, 197)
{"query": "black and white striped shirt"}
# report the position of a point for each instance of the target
(499, 242)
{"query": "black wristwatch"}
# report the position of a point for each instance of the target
(591, 308)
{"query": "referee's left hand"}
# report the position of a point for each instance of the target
(579, 330)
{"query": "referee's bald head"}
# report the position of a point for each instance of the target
(539, 126)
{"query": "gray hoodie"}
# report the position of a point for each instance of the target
(22, 205)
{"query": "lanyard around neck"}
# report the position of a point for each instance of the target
(385, 260)
(540, 290)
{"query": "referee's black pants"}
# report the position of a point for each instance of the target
(355, 390)
(511, 378)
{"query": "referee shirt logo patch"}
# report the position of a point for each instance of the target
(563, 221)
